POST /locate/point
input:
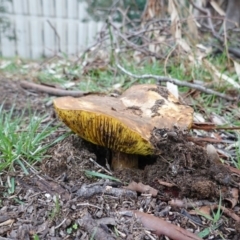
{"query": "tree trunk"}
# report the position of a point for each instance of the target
(233, 14)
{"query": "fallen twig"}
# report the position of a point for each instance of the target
(209, 17)
(50, 90)
(205, 139)
(226, 211)
(98, 165)
(131, 44)
(206, 126)
(160, 79)
(87, 191)
(94, 229)
(212, 207)
(234, 170)
(56, 34)
(184, 203)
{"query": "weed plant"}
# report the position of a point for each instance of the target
(23, 139)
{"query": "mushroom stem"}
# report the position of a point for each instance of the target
(121, 160)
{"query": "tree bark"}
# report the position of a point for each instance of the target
(233, 14)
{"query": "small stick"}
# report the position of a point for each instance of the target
(59, 225)
(89, 205)
(56, 34)
(104, 169)
(177, 82)
(50, 90)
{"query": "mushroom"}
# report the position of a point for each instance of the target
(124, 124)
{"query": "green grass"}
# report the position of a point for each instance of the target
(23, 140)
(100, 175)
(68, 74)
(236, 161)
(36, 237)
(56, 210)
(214, 220)
(9, 65)
(72, 228)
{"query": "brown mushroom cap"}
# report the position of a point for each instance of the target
(124, 124)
